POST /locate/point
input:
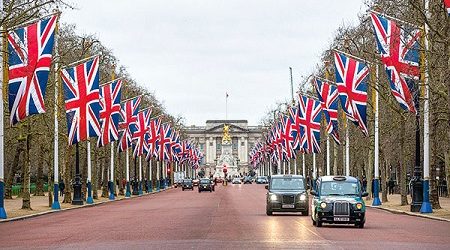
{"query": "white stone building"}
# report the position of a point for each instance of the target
(209, 140)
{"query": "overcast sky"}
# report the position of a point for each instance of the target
(190, 53)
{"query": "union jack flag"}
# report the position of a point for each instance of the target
(152, 138)
(81, 94)
(165, 136)
(110, 113)
(129, 111)
(139, 135)
(328, 96)
(175, 147)
(399, 49)
(310, 117)
(294, 115)
(185, 149)
(30, 51)
(351, 77)
(447, 6)
(286, 137)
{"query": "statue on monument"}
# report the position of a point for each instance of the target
(226, 134)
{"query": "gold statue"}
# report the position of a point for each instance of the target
(226, 135)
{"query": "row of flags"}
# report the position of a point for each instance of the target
(298, 129)
(92, 110)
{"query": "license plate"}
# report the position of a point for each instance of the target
(287, 206)
(341, 219)
(204, 186)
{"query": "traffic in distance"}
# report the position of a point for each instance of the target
(331, 199)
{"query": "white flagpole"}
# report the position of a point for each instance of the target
(328, 155)
(303, 165)
(347, 152)
(150, 175)
(295, 165)
(2, 185)
(314, 167)
(376, 198)
(158, 182)
(426, 205)
(289, 167)
(89, 199)
(127, 166)
(140, 175)
(55, 204)
(111, 172)
(279, 167)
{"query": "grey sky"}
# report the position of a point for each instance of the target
(189, 53)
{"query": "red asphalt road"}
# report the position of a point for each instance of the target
(233, 217)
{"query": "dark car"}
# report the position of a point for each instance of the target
(187, 184)
(261, 180)
(338, 200)
(248, 180)
(287, 193)
(205, 184)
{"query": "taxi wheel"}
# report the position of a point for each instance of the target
(268, 211)
(319, 224)
(360, 225)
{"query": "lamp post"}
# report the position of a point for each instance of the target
(237, 163)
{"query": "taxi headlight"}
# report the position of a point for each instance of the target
(302, 197)
(359, 205)
(273, 197)
(323, 205)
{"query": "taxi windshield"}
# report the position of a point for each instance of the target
(204, 181)
(287, 184)
(339, 188)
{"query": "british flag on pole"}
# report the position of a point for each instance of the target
(447, 6)
(152, 138)
(310, 116)
(287, 138)
(139, 135)
(328, 97)
(399, 49)
(129, 111)
(110, 112)
(351, 77)
(165, 135)
(81, 94)
(30, 51)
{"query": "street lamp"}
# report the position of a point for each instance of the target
(237, 163)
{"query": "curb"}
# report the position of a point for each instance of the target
(79, 207)
(396, 211)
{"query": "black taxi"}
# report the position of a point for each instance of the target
(287, 193)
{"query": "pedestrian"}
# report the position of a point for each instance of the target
(61, 187)
(391, 185)
(364, 184)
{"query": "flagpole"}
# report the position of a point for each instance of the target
(140, 175)
(376, 198)
(127, 166)
(55, 205)
(111, 171)
(89, 199)
(347, 152)
(226, 106)
(158, 183)
(150, 179)
(303, 166)
(314, 171)
(295, 166)
(2, 185)
(426, 205)
(328, 136)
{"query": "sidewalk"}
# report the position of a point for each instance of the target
(393, 205)
(39, 205)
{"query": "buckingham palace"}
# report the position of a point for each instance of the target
(209, 140)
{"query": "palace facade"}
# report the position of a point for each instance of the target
(209, 140)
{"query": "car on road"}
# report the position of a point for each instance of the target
(205, 184)
(287, 193)
(248, 180)
(261, 180)
(338, 200)
(236, 181)
(195, 182)
(187, 184)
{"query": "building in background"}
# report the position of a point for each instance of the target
(209, 140)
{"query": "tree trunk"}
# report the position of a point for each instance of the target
(50, 185)
(95, 175)
(403, 191)
(447, 171)
(13, 168)
(434, 195)
(26, 202)
(67, 176)
(40, 174)
(384, 192)
(104, 178)
(335, 159)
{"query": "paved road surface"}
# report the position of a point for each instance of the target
(233, 217)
